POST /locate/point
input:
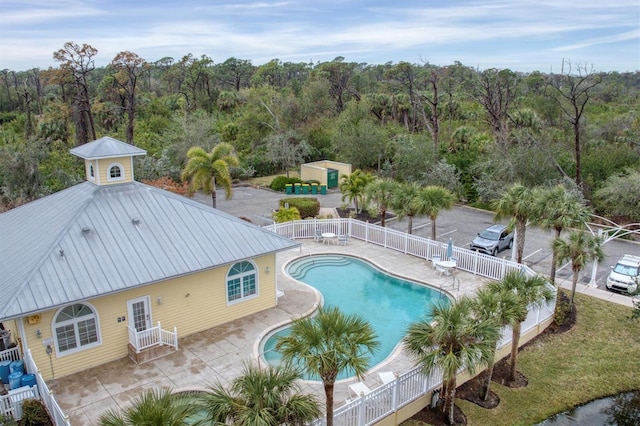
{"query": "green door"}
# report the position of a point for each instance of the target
(332, 178)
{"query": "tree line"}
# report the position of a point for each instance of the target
(474, 132)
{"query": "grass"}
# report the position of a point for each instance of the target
(598, 357)
(266, 180)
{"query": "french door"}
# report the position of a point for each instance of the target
(139, 313)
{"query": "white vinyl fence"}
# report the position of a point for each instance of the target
(151, 337)
(11, 404)
(58, 416)
(469, 261)
(387, 399)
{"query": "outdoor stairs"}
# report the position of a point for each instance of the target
(151, 353)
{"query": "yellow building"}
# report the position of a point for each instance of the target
(112, 268)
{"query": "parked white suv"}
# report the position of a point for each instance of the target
(625, 275)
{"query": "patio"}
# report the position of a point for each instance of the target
(217, 355)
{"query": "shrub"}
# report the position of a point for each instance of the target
(7, 421)
(307, 206)
(34, 413)
(286, 215)
(280, 182)
(563, 310)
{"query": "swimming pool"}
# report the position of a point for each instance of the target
(356, 286)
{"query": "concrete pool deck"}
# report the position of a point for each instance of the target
(218, 355)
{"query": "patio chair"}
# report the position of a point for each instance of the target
(318, 236)
(387, 377)
(441, 270)
(343, 239)
(434, 260)
(359, 389)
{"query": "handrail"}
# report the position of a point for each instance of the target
(153, 336)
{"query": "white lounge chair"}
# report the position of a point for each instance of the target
(318, 236)
(359, 389)
(343, 239)
(387, 377)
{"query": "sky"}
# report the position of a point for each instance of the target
(521, 35)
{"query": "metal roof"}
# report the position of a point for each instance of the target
(106, 147)
(91, 240)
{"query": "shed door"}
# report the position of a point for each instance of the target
(139, 313)
(332, 178)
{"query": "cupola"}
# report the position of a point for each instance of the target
(108, 161)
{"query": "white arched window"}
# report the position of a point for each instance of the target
(115, 172)
(75, 328)
(241, 282)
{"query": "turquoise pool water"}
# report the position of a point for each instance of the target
(355, 286)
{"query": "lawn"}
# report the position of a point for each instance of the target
(266, 180)
(598, 357)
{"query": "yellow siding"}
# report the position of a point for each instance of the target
(318, 170)
(313, 173)
(191, 304)
(103, 168)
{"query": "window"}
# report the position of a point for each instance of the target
(76, 328)
(241, 281)
(115, 172)
(91, 172)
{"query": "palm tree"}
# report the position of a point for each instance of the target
(352, 187)
(327, 344)
(403, 202)
(580, 248)
(155, 407)
(529, 290)
(560, 209)
(516, 202)
(285, 214)
(380, 192)
(451, 339)
(430, 200)
(205, 169)
(260, 397)
(492, 304)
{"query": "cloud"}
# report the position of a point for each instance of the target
(360, 30)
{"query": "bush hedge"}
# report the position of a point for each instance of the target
(279, 183)
(307, 206)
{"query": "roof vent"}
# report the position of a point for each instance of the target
(135, 221)
(86, 230)
(61, 253)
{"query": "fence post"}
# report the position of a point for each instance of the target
(361, 411)
(175, 337)
(394, 397)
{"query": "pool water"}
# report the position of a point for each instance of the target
(355, 286)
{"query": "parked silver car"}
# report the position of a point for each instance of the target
(493, 240)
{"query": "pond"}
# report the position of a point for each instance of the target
(621, 410)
